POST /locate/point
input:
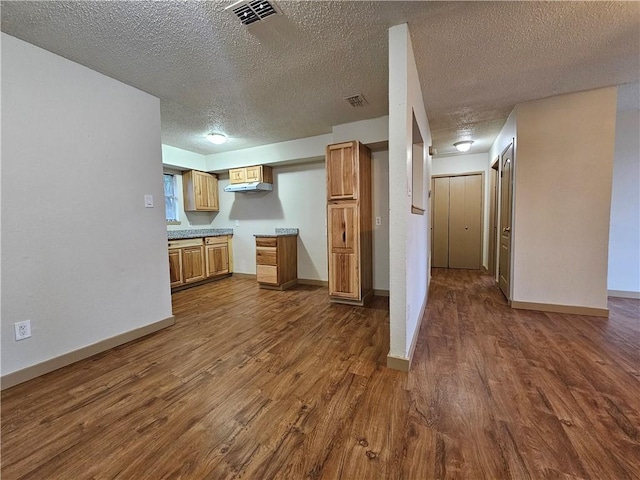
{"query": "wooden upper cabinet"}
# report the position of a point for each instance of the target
(342, 171)
(256, 173)
(200, 191)
(237, 175)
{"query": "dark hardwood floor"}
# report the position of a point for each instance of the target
(261, 384)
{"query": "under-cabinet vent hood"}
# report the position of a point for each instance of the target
(249, 187)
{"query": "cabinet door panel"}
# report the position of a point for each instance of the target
(254, 174)
(341, 172)
(175, 267)
(343, 226)
(267, 274)
(344, 280)
(193, 264)
(266, 256)
(344, 277)
(237, 175)
(217, 260)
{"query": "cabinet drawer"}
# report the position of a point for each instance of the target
(216, 240)
(266, 241)
(267, 274)
(266, 256)
(187, 242)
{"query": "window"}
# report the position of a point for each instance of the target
(170, 198)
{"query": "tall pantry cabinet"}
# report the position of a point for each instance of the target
(349, 225)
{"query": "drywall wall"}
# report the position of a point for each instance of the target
(459, 164)
(292, 151)
(380, 208)
(177, 158)
(624, 233)
(82, 257)
(408, 234)
(562, 199)
(298, 200)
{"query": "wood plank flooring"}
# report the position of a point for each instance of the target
(261, 384)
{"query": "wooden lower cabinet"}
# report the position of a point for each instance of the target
(216, 256)
(175, 267)
(344, 251)
(277, 261)
(194, 260)
(193, 264)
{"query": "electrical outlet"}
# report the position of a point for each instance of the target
(23, 329)
(378, 221)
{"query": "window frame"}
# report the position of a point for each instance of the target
(174, 197)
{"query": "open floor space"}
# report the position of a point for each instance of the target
(262, 384)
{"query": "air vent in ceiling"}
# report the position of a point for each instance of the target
(252, 11)
(357, 100)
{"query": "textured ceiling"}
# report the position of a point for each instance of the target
(286, 78)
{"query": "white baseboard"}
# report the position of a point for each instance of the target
(20, 376)
(623, 294)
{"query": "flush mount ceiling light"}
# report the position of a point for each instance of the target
(463, 146)
(217, 138)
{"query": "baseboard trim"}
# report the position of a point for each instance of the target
(29, 373)
(311, 281)
(401, 363)
(570, 309)
(398, 363)
(381, 293)
(623, 294)
(244, 275)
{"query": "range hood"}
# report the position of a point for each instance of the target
(249, 187)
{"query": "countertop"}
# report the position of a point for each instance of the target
(280, 232)
(198, 233)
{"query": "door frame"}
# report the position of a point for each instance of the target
(482, 202)
(492, 257)
(512, 145)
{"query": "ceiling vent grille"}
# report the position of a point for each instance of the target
(357, 100)
(252, 11)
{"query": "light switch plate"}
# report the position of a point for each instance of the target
(237, 223)
(148, 201)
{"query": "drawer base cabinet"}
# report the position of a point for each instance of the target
(196, 260)
(349, 226)
(277, 261)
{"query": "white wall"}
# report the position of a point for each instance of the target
(458, 164)
(177, 158)
(624, 234)
(81, 256)
(562, 199)
(408, 237)
(297, 201)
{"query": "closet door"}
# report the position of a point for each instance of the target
(457, 222)
(440, 240)
(465, 222)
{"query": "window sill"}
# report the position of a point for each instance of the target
(173, 222)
